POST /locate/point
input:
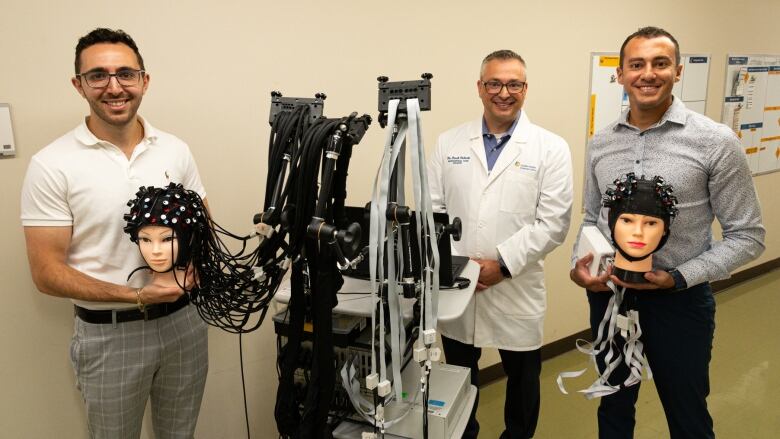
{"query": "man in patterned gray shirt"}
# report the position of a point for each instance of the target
(704, 162)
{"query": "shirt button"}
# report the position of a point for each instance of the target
(637, 162)
(478, 255)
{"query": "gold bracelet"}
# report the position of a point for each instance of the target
(138, 297)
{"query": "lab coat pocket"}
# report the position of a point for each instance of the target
(521, 298)
(521, 333)
(518, 193)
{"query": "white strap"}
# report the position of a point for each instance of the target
(380, 229)
(381, 233)
(632, 353)
(424, 224)
(397, 344)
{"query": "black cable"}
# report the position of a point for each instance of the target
(425, 404)
(289, 208)
(235, 294)
(243, 383)
(461, 283)
(315, 276)
(227, 291)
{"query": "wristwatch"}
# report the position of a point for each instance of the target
(679, 280)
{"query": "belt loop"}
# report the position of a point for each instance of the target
(113, 317)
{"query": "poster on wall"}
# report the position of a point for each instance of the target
(607, 98)
(751, 107)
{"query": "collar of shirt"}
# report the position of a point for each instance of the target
(494, 146)
(675, 114)
(85, 136)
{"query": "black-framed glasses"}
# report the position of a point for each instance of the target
(494, 87)
(125, 77)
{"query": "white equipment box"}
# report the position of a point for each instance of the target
(593, 241)
(449, 405)
(7, 145)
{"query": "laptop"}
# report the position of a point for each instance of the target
(450, 267)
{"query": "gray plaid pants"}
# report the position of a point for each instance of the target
(118, 368)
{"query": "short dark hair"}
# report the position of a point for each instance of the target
(104, 35)
(651, 32)
(503, 54)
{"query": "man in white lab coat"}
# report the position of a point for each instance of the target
(510, 182)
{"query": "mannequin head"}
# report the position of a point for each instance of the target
(158, 246)
(640, 213)
(168, 224)
(638, 235)
(182, 247)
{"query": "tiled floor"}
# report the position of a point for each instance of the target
(744, 378)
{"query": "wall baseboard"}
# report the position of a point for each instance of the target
(558, 347)
(746, 275)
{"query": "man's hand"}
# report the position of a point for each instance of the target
(162, 292)
(489, 273)
(658, 279)
(580, 275)
(154, 293)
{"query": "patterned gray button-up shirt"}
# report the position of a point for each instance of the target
(704, 162)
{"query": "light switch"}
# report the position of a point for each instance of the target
(7, 145)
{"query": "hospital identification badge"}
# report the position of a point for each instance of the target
(458, 159)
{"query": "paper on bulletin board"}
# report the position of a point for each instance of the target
(751, 107)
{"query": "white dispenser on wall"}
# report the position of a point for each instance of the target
(7, 145)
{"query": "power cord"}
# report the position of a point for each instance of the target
(461, 283)
(243, 382)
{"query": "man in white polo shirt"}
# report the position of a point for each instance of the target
(132, 340)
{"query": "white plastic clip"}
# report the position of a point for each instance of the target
(429, 336)
(435, 354)
(623, 323)
(264, 229)
(420, 354)
(372, 381)
(259, 274)
(384, 388)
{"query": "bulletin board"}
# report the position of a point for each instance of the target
(751, 107)
(607, 98)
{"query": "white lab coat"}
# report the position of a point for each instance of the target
(520, 210)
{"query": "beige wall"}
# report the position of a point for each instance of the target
(212, 66)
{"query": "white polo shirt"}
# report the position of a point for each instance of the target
(82, 182)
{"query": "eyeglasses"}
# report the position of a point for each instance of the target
(494, 87)
(126, 77)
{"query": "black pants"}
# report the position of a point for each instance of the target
(521, 406)
(677, 331)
